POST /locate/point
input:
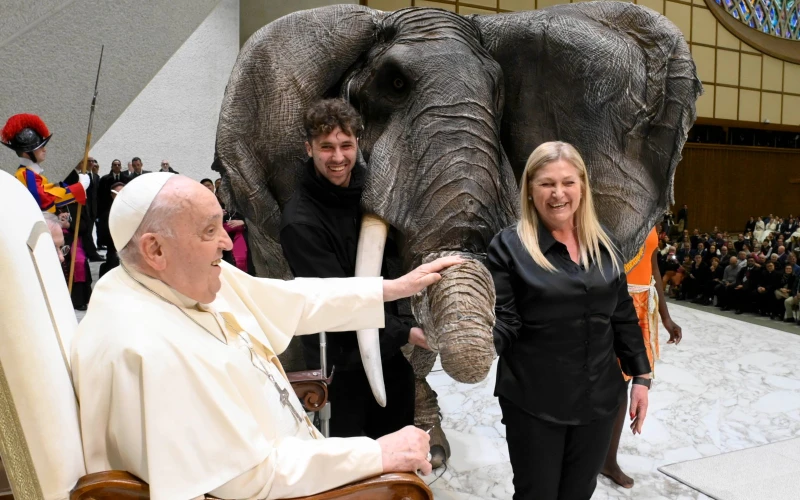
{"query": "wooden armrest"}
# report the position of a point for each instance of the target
(108, 485)
(311, 388)
(120, 485)
(395, 486)
(308, 376)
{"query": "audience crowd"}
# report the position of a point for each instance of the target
(94, 215)
(755, 271)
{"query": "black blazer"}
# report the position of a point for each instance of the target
(559, 334)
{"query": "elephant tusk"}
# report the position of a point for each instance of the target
(369, 260)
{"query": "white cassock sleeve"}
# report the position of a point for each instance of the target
(300, 468)
(307, 305)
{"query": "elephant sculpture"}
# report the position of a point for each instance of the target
(452, 106)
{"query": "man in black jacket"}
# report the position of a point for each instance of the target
(319, 234)
(746, 282)
(89, 212)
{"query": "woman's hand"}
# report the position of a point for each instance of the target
(638, 409)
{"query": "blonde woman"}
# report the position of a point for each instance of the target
(564, 316)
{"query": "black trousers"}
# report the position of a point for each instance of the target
(554, 461)
(354, 411)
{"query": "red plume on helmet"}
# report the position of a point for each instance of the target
(25, 133)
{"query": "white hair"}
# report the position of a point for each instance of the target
(156, 220)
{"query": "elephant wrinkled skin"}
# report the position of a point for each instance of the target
(452, 107)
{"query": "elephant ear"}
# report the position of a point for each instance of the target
(280, 71)
(615, 80)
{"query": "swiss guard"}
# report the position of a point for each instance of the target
(27, 135)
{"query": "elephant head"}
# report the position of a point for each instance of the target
(452, 106)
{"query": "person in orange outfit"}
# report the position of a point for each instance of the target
(27, 135)
(647, 292)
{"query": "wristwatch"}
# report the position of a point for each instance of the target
(642, 381)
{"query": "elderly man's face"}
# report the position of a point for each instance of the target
(191, 259)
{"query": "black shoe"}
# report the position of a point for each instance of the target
(97, 258)
(81, 308)
(788, 320)
(101, 247)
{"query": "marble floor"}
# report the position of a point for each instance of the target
(729, 385)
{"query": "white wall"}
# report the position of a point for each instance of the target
(48, 59)
(175, 116)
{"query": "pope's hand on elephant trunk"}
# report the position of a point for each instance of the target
(418, 279)
(416, 336)
(457, 315)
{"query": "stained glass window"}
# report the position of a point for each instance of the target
(774, 17)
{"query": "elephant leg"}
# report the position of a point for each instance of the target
(426, 406)
(427, 417)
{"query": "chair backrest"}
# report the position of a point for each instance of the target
(40, 439)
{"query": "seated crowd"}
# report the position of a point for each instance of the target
(756, 272)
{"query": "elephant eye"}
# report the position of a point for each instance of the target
(398, 83)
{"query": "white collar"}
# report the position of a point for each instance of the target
(32, 165)
(164, 290)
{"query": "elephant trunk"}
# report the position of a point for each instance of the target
(369, 258)
(457, 314)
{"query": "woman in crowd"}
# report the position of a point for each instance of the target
(82, 277)
(772, 225)
(694, 283)
(711, 253)
(558, 379)
(760, 231)
(714, 278)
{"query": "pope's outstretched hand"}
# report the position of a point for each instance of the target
(418, 279)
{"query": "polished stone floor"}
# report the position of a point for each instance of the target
(729, 385)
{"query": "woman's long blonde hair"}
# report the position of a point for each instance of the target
(590, 233)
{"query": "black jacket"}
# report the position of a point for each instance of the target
(320, 226)
(559, 334)
(748, 277)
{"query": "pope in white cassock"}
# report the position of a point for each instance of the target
(175, 362)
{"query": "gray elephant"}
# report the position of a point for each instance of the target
(453, 105)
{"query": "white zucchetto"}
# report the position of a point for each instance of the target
(131, 205)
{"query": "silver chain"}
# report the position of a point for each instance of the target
(282, 392)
